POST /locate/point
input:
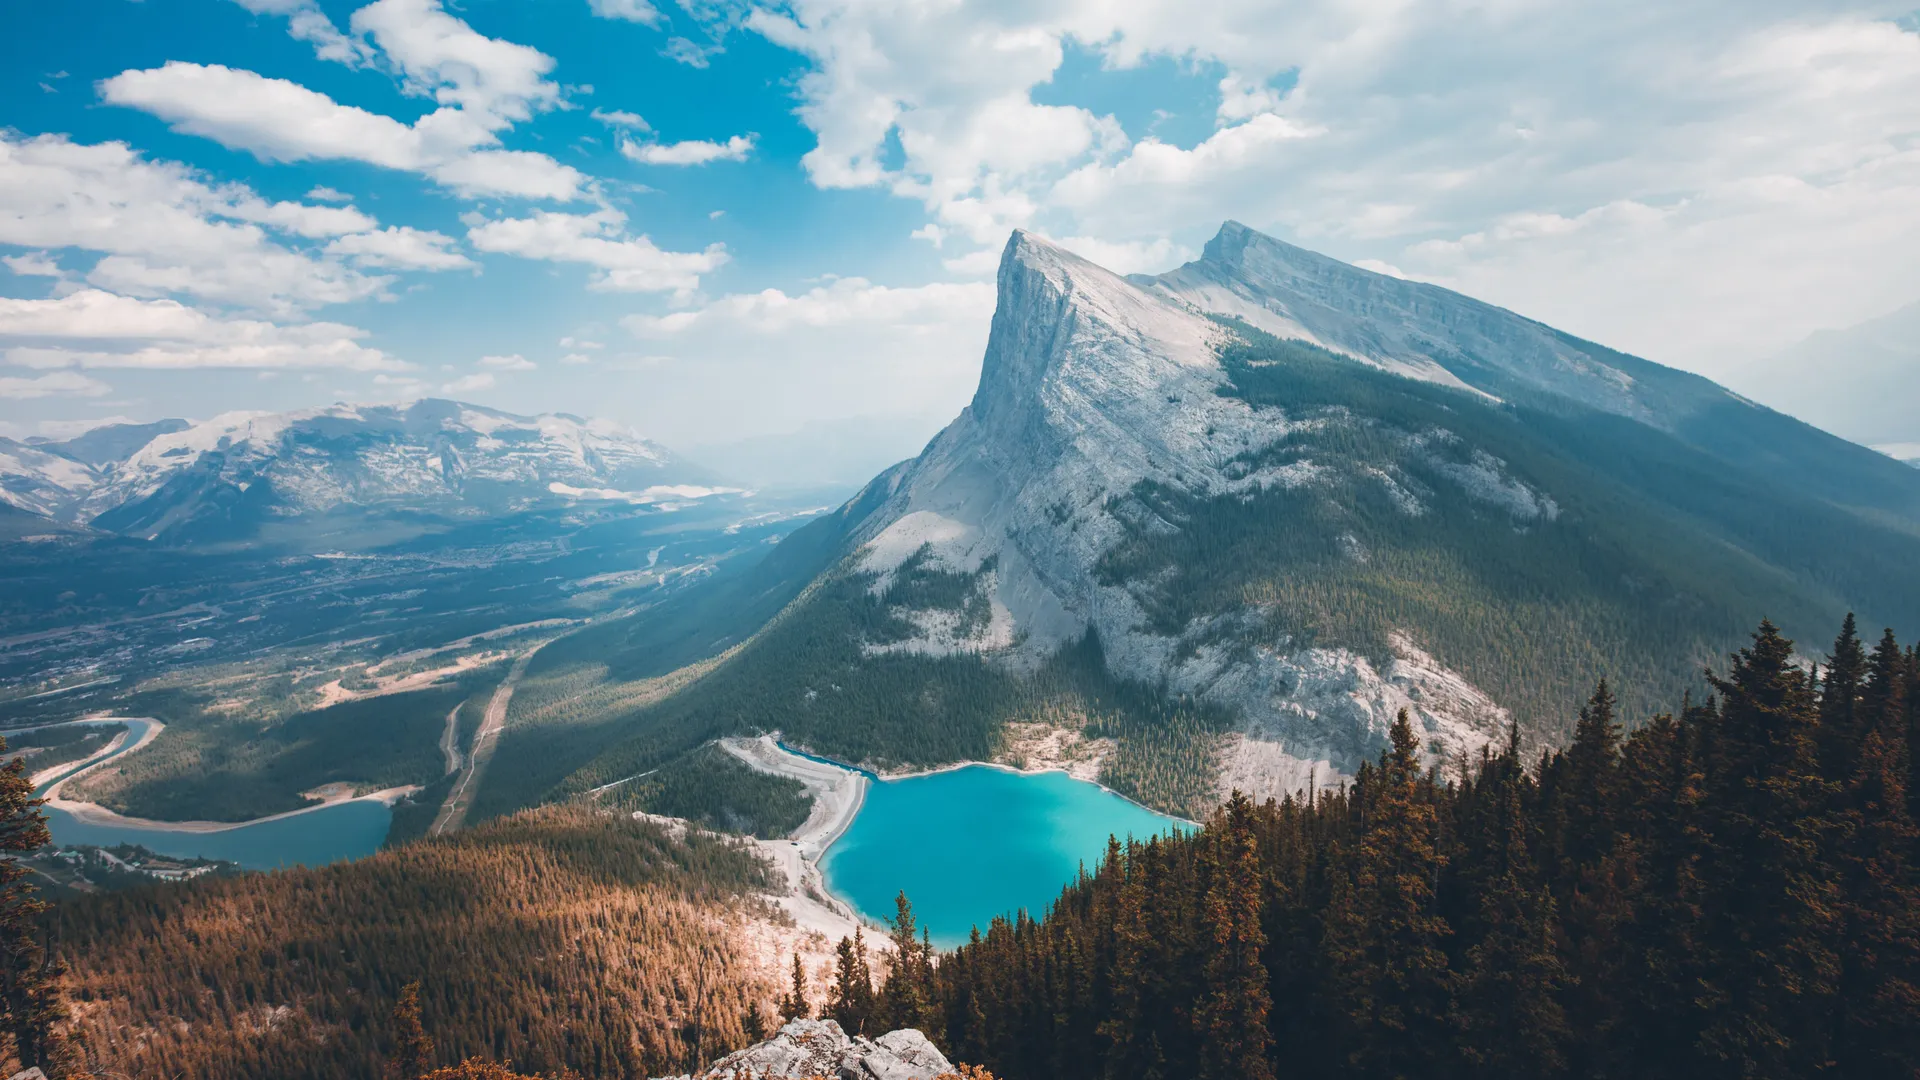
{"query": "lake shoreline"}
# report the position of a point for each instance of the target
(91, 813)
(888, 776)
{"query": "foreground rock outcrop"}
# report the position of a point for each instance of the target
(818, 1048)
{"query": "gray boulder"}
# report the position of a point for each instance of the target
(808, 1048)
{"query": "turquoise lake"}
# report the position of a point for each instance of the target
(973, 843)
(348, 830)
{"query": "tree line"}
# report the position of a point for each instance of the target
(1728, 891)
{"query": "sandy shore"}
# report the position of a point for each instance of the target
(837, 795)
(95, 814)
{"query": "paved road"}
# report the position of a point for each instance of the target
(453, 812)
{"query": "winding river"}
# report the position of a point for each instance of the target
(325, 834)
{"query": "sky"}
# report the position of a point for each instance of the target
(720, 219)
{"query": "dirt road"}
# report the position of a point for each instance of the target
(453, 812)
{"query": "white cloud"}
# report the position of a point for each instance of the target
(278, 120)
(1129, 257)
(496, 81)
(575, 359)
(625, 264)
(631, 10)
(62, 383)
(94, 329)
(692, 152)
(617, 118)
(163, 228)
(468, 383)
(324, 193)
(1693, 181)
(516, 362)
(924, 309)
(33, 264)
(400, 248)
(306, 22)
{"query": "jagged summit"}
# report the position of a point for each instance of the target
(1424, 331)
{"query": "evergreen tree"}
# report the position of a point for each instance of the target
(412, 1046)
(1508, 998)
(1839, 704)
(1877, 1030)
(851, 1003)
(31, 996)
(1772, 902)
(1384, 939)
(795, 1006)
(1232, 1017)
(904, 1001)
(1125, 1034)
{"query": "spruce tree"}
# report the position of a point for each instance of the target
(1877, 1031)
(1384, 941)
(904, 1001)
(851, 1003)
(1772, 900)
(412, 1046)
(31, 996)
(795, 1006)
(1839, 704)
(1508, 998)
(1232, 1016)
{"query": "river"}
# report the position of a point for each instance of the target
(342, 830)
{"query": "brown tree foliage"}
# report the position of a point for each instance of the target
(556, 939)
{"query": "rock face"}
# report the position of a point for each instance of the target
(222, 478)
(1091, 387)
(1108, 431)
(818, 1048)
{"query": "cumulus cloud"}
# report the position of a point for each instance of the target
(58, 383)
(95, 329)
(1727, 174)
(619, 119)
(516, 362)
(466, 384)
(624, 263)
(306, 22)
(630, 10)
(163, 228)
(402, 248)
(280, 120)
(692, 152)
(925, 309)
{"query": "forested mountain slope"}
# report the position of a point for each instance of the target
(559, 938)
(1227, 522)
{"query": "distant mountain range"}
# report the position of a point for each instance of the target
(1862, 382)
(1215, 527)
(228, 478)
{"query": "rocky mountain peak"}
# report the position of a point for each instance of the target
(805, 1049)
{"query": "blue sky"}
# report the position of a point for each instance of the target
(720, 218)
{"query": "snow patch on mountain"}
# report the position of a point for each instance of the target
(42, 483)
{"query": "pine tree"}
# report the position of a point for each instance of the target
(1877, 1032)
(1232, 1017)
(795, 1006)
(1772, 901)
(904, 1002)
(1508, 997)
(1839, 704)
(412, 1046)
(1384, 940)
(851, 1003)
(1125, 1032)
(32, 994)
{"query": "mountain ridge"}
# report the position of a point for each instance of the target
(1235, 556)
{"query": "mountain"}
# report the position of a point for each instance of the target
(231, 477)
(1861, 382)
(1215, 528)
(110, 443)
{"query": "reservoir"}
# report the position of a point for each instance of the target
(972, 843)
(345, 830)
